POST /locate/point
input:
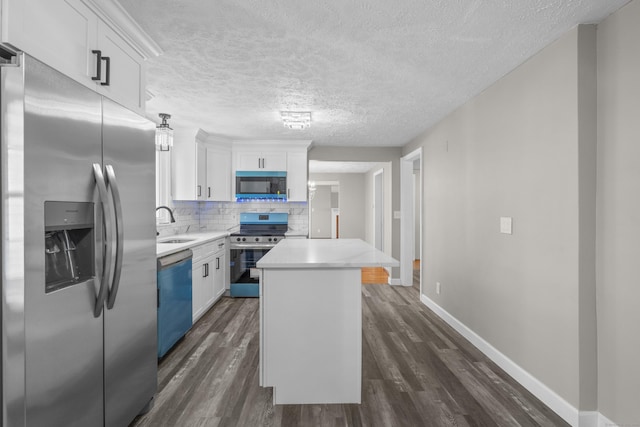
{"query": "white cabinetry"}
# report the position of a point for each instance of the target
(123, 75)
(68, 35)
(201, 170)
(218, 176)
(208, 276)
(289, 156)
(210, 179)
(220, 272)
(297, 176)
(261, 161)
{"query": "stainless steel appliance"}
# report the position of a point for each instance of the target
(259, 232)
(261, 185)
(78, 253)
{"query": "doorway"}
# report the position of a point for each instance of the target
(324, 210)
(411, 218)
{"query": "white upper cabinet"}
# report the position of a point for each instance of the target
(218, 174)
(123, 78)
(261, 160)
(297, 176)
(201, 171)
(201, 168)
(76, 37)
(278, 156)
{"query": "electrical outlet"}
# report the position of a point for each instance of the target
(438, 286)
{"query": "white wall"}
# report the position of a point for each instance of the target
(320, 222)
(350, 200)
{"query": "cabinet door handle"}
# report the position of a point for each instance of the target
(288, 193)
(199, 190)
(98, 54)
(107, 62)
(259, 163)
(209, 188)
(217, 263)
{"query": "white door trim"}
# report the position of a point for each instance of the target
(378, 208)
(407, 232)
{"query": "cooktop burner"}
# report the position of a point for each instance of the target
(255, 239)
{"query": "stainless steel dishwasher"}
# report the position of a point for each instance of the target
(174, 299)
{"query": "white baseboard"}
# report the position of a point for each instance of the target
(588, 419)
(550, 398)
(395, 282)
(605, 422)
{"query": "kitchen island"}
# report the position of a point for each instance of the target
(311, 319)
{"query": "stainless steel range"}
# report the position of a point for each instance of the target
(259, 232)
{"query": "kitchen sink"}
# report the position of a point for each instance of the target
(176, 241)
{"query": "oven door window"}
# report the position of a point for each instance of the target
(243, 265)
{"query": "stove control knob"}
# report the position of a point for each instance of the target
(275, 239)
(244, 239)
(257, 239)
(237, 239)
(270, 239)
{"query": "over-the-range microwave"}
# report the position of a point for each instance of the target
(261, 185)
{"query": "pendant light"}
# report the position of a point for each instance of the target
(164, 134)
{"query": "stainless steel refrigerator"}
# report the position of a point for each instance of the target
(78, 253)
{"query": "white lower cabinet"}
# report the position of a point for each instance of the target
(208, 276)
(219, 274)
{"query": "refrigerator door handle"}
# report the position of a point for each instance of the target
(115, 192)
(106, 218)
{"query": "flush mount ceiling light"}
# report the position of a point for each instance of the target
(164, 134)
(296, 119)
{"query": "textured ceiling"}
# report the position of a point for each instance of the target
(372, 72)
(317, 166)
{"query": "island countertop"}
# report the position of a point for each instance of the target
(325, 253)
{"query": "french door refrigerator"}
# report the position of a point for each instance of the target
(78, 253)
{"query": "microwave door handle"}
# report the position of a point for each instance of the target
(106, 218)
(115, 191)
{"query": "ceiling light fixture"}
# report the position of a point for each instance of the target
(164, 134)
(298, 120)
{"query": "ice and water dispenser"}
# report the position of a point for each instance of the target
(68, 244)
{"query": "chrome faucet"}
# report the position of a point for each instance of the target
(170, 212)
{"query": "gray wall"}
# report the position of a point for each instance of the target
(371, 154)
(320, 224)
(618, 216)
(513, 151)
(350, 201)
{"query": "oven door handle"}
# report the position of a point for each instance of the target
(251, 245)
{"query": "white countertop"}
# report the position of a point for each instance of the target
(325, 253)
(194, 239)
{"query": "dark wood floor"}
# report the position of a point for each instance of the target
(417, 371)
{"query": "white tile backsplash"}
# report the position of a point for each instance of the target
(216, 216)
